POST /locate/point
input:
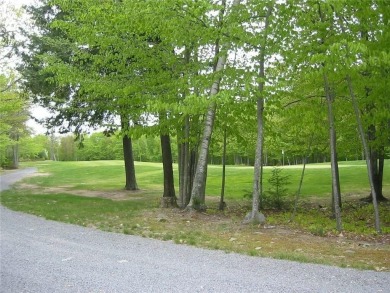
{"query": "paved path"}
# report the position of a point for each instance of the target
(11, 177)
(45, 256)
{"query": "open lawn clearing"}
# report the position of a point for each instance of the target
(109, 175)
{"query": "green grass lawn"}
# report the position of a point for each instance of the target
(107, 175)
(55, 195)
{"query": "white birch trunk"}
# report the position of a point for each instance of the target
(197, 194)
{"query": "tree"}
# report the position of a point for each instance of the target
(255, 216)
(13, 117)
(309, 54)
(68, 148)
(352, 50)
(371, 39)
(34, 147)
(76, 80)
(197, 200)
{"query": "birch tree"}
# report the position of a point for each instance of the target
(197, 200)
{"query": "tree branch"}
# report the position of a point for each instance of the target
(300, 100)
(9, 86)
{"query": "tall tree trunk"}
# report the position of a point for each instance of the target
(255, 216)
(131, 183)
(367, 154)
(333, 154)
(169, 196)
(197, 194)
(222, 203)
(198, 190)
(329, 93)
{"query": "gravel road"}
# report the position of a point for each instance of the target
(45, 256)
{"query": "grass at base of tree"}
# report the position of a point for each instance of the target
(311, 237)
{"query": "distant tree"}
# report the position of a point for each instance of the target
(67, 150)
(34, 147)
(13, 118)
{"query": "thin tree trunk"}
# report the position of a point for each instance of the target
(371, 156)
(255, 216)
(336, 198)
(169, 196)
(180, 160)
(367, 155)
(187, 156)
(333, 155)
(183, 165)
(298, 194)
(222, 203)
(186, 165)
(337, 176)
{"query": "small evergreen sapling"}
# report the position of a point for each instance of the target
(274, 197)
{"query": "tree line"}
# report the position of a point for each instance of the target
(305, 77)
(99, 146)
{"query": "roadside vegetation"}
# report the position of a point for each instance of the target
(91, 194)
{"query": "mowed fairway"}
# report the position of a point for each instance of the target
(109, 175)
